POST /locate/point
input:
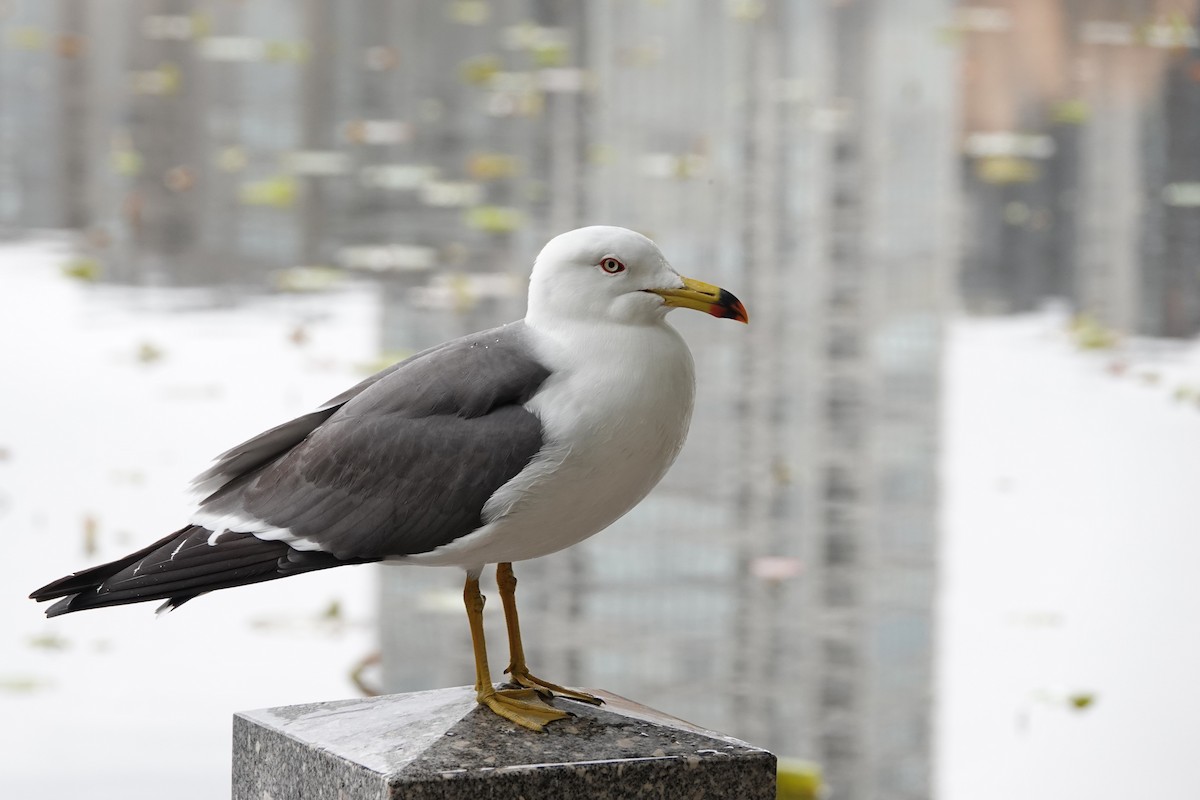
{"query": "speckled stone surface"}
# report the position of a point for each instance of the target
(442, 745)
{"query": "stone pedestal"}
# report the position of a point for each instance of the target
(442, 744)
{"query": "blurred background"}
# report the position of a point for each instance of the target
(932, 535)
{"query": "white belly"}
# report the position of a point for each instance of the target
(613, 425)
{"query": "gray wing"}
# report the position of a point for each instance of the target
(402, 463)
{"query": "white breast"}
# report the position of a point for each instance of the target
(614, 420)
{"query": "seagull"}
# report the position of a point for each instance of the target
(499, 446)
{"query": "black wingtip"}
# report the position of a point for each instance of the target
(78, 582)
(182, 566)
(63, 606)
(55, 589)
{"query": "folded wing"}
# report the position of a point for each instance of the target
(400, 464)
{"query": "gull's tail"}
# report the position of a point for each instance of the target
(181, 566)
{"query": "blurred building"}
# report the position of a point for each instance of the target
(35, 110)
(1080, 139)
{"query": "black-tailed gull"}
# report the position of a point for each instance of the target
(500, 446)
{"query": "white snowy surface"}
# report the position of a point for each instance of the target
(119, 703)
(1071, 487)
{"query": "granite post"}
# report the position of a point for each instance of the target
(442, 744)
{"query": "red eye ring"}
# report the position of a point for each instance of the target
(611, 265)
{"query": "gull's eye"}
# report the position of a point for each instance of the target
(612, 266)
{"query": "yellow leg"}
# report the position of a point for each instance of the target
(522, 706)
(507, 582)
